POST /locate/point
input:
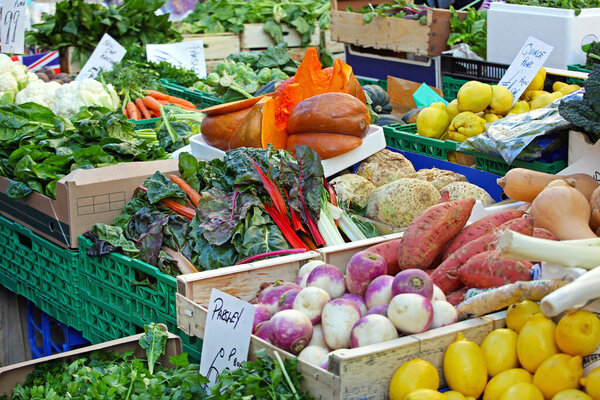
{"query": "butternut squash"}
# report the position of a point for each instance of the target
(218, 129)
(327, 145)
(564, 211)
(595, 208)
(585, 183)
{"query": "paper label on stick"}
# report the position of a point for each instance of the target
(107, 52)
(525, 66)
(12, 28)
(188, 55)
(226, 334)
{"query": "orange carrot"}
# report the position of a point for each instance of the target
(133, 111)
(180, 101)
(193, 195)
(124, 111)
(163, 102)
(144, 110)
(180, 209)
(187, 108)
(152, 104)
(157, 95)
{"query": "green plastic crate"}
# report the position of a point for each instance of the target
(451, 86)
(577, 68)
(103, 322)
(149, 123)
(368, 81)
(198, 97)
(403, 137)
(41, 271)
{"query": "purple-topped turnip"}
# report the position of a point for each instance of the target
(328, 278)
(410, 313)
(438, 294)
(372, 329)
(338, 317)
(314, 355)
(444, 314)
(413, 280)
(358, 300)
(291, 330)
(286, 301)
(305, 270)
(317, 338)
(271, 294)
(362, 268)
(263, 330)
(379, 291)
(310, 301)
(261, 314)
(380, 309)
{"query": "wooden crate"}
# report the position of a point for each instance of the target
(217, 46)
(389, 33)
(66, 63)
(254, 37)
(353, 373)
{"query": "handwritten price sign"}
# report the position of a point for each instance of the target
(12, 29)
(107, 53)
(226, 334)
(188, 55)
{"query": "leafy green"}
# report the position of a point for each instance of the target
(592, 55)
(153, 341)
(576, 5)
(471, 30)
(584, 114)
(396, 9)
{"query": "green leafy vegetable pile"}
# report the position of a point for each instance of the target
(472, 30)
(80, 24)
(396, 9)
(585, 114)
(593, 55)
(37, 147)
(576, 5)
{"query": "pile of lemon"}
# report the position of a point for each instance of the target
(479, 103)
(532, 359)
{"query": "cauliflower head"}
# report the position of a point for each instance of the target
(70, 97)
(14, 68)
(40, 92)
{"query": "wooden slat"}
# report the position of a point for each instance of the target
(216, 46)
(498, 319)
(255, 37)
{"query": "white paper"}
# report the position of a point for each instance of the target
(188, 55)
(107, 52)
(226, 334)
(525, 66)
(12, 28)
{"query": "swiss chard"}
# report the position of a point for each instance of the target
(471, 30)
(153, 341)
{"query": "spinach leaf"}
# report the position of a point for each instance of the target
(153, 341)
(17, 190)
(160, 187)
(115, 236)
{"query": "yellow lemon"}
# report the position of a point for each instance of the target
(538, 81)
(490, 117)
(557, 95)
(541, 101)
(578, 333)
(466, 125)
(500, 350)
(501, 100)
(591, 383)
(569, 88)
(571, 394)
(425, 394)
(556, 86)
(454, 395)
(432, 121)
(522, 391)
(412, 375)
(452, 109)
(505, 379)
(517, 314)
(464, 367)
(536, 342)
(520, 107)
(557, 373)
(474, 96)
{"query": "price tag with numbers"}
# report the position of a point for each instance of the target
(107, 52)
(12, 28)
(226, 334)
(188, 55)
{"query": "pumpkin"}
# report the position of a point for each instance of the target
(258, 128)
(218, 129)
(380, 99)
(326, 145)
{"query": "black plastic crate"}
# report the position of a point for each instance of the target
(462, 68)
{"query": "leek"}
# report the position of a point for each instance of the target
(346, 224)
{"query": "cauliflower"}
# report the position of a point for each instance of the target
(39, 92)
(465, 190)
(13, 77)
(385, 166)
(399, 202)
(352, 187)
(70, 97)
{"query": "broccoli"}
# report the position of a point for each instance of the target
(584, 114)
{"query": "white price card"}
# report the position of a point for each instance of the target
(107, 53)
(226, 334)
(12, 28)
(525, 66)
(188, 55)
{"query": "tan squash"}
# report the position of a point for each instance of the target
(524, 184)
(564, 211)
(586, 184)
(595, 208)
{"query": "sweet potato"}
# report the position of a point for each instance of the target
(480, 228)
(430, 231)
(490, 269)
(446, 274)
(218, 129)
(445, 197)
(457, 296)
(544, 234)
(389, 251)
(327, 145)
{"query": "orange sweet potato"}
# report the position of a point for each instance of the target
(217, 130)
(330, 113)
(457, 296)
(428, 234)
(490, 269)
(446, 274)
(327, 145)
(389, 251)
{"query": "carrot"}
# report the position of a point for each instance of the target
(163, 102)
(124, 111)
(180, 209)
(187, 108)
(457, 296)
(193, 195)
(490, 269)
(133, 111)
(157, 95)
(140, 104)
(180, 101)
(152, 104)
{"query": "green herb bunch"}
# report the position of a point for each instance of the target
(396, 9)
(471, 30)
(576, 5)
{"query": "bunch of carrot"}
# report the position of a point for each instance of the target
(147, 104)
(192, 199)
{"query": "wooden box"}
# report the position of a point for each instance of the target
(217, 46)
(353, 374)
(67, 64)
(254, 37)
(390, 33)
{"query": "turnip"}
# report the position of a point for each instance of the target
(438, 294)
(444, 314)
(413, 280)
(314, 355)
(379, 291)
(317, 338)
(271, 294)
(310, 301)
(410, 313)
(261, 314)
(263, 330)
(372, 329)
(381, 309)
(328, 278)
(358, 300)
(338, 318)
(305, 270)
(362, 268)
(290, 330)
(286, 301)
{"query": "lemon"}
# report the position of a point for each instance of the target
(578, 333)
(433, 121)
(571, 394)
(558, 372)
(569, 88)
(466, 125)
(490, 117)
(541, 101)
(517, 314)
(536, 342)
(520, 107)
(464, 367)
(454, 395)
(591, 383)
(501, 100)
(500, 350)
(522, 391)
(452, 109)
(425, 394)
(412, 375)
(556, 86)
(505, 379)
(557, 95)
(538, 81)
(474, 96)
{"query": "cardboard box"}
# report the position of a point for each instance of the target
(83, 198)
(14, 374)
